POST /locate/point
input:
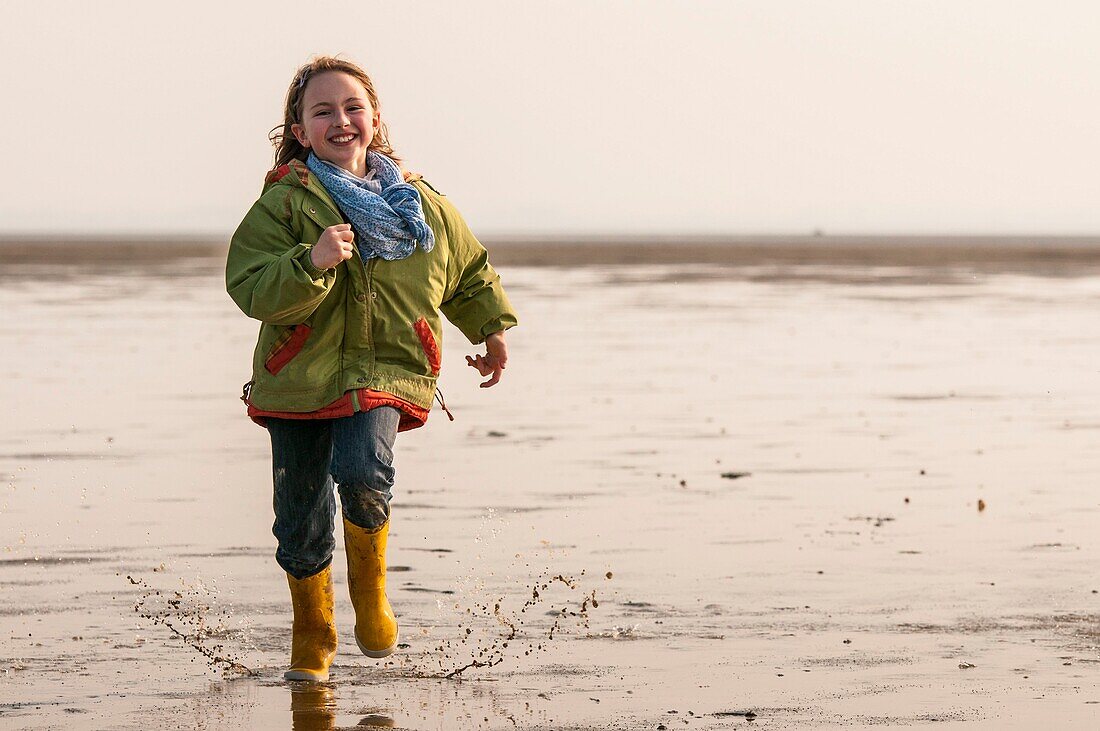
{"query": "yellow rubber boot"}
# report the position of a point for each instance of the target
(375, 625)
(313, 644)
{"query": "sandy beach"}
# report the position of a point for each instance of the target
(778, 485)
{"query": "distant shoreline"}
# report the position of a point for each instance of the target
(1042, 254)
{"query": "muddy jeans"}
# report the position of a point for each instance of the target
(307, 456)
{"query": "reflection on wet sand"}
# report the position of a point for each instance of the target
(312, 706)
(779, 462)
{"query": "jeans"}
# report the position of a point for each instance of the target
(307, 456)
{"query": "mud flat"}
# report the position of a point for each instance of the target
(779, 462)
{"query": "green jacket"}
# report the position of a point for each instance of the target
(372, 324)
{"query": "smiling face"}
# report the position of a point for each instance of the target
(337, 121)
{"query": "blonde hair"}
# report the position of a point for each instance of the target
(287, 147)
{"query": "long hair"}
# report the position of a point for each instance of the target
(287, 147)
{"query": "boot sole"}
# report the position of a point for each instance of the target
(378, 654)
(305, 675)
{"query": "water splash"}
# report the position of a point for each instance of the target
(189, 616)
(493, 633)
(496, 625)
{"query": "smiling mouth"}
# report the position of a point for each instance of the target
(342, 139)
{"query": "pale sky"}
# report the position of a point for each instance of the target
(643, 117)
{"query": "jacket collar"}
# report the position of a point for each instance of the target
(297, 174)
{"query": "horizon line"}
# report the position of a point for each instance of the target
(208, 237)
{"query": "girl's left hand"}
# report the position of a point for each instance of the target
(494, 360)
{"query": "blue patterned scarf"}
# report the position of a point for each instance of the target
(385, 212)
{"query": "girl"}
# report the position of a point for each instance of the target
(347, 263)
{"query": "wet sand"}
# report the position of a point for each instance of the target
(779, 462)
(1042, 255)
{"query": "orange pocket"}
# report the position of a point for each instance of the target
(286, 346)
(427, 341)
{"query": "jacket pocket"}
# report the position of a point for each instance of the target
(320, 213)
(427, 341)
(286, 346)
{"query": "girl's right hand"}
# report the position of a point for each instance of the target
(334, 246)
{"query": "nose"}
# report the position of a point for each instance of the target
(340, 119)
